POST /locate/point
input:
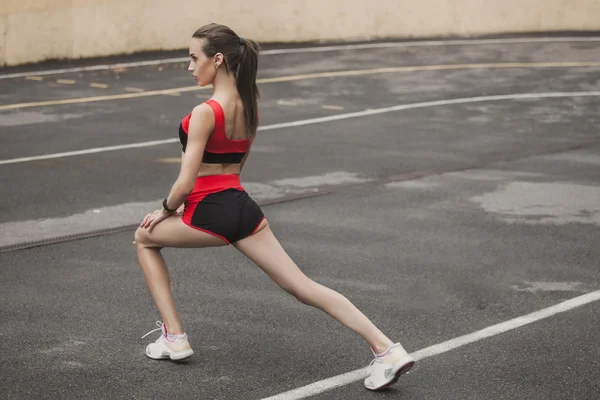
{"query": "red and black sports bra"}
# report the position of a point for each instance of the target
(219, 148)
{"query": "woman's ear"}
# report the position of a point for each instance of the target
(218, 60)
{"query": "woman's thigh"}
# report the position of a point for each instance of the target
(173, 232)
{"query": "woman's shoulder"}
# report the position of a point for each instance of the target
(201, 114)
(202, 109)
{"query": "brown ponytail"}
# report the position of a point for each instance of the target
(246, 81)
(241, 59)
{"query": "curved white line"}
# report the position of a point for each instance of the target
(312, 50)
(357, 375)
(319, 120)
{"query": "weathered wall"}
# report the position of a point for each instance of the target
(34, 30)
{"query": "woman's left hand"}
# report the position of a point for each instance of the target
(154, 218)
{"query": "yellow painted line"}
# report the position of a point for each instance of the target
(332, 107)
(34, 78)
(99, 85)
(169, 160)
(133, 89)
(98, 98)
(65, 81)
(286, 103)
(291, 78)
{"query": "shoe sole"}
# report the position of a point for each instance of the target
(175, 357)
(182, 355)
(401, 371)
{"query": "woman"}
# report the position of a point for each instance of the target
(207, 205)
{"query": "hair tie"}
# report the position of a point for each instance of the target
(241, 41)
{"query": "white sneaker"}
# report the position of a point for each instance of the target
(177, 348)
(386, 368)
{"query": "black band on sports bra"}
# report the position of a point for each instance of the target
(222, 158)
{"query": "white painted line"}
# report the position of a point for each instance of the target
(315, 50)
(430, 43)
(65, 81)
(357, 375)
(426, 104)
(88, 151)
(34, 78)
(100, 67)
(320, 120)
(99, 85)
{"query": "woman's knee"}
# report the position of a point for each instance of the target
(142, 239)
(303, 291)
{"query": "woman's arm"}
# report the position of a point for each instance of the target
(201, 126)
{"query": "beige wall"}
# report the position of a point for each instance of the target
(34, 30)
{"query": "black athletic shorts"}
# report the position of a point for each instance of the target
(220, 206)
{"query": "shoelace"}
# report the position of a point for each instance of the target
(384, 354)
(154, 330)
(370, 367)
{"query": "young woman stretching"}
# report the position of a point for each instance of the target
(208, 206)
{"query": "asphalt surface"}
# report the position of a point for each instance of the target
(435, 221)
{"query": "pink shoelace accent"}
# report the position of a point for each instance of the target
(162, 327)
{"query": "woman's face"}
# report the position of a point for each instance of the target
(204, 69)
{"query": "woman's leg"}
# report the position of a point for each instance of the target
(266, 252)
(171, 232)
